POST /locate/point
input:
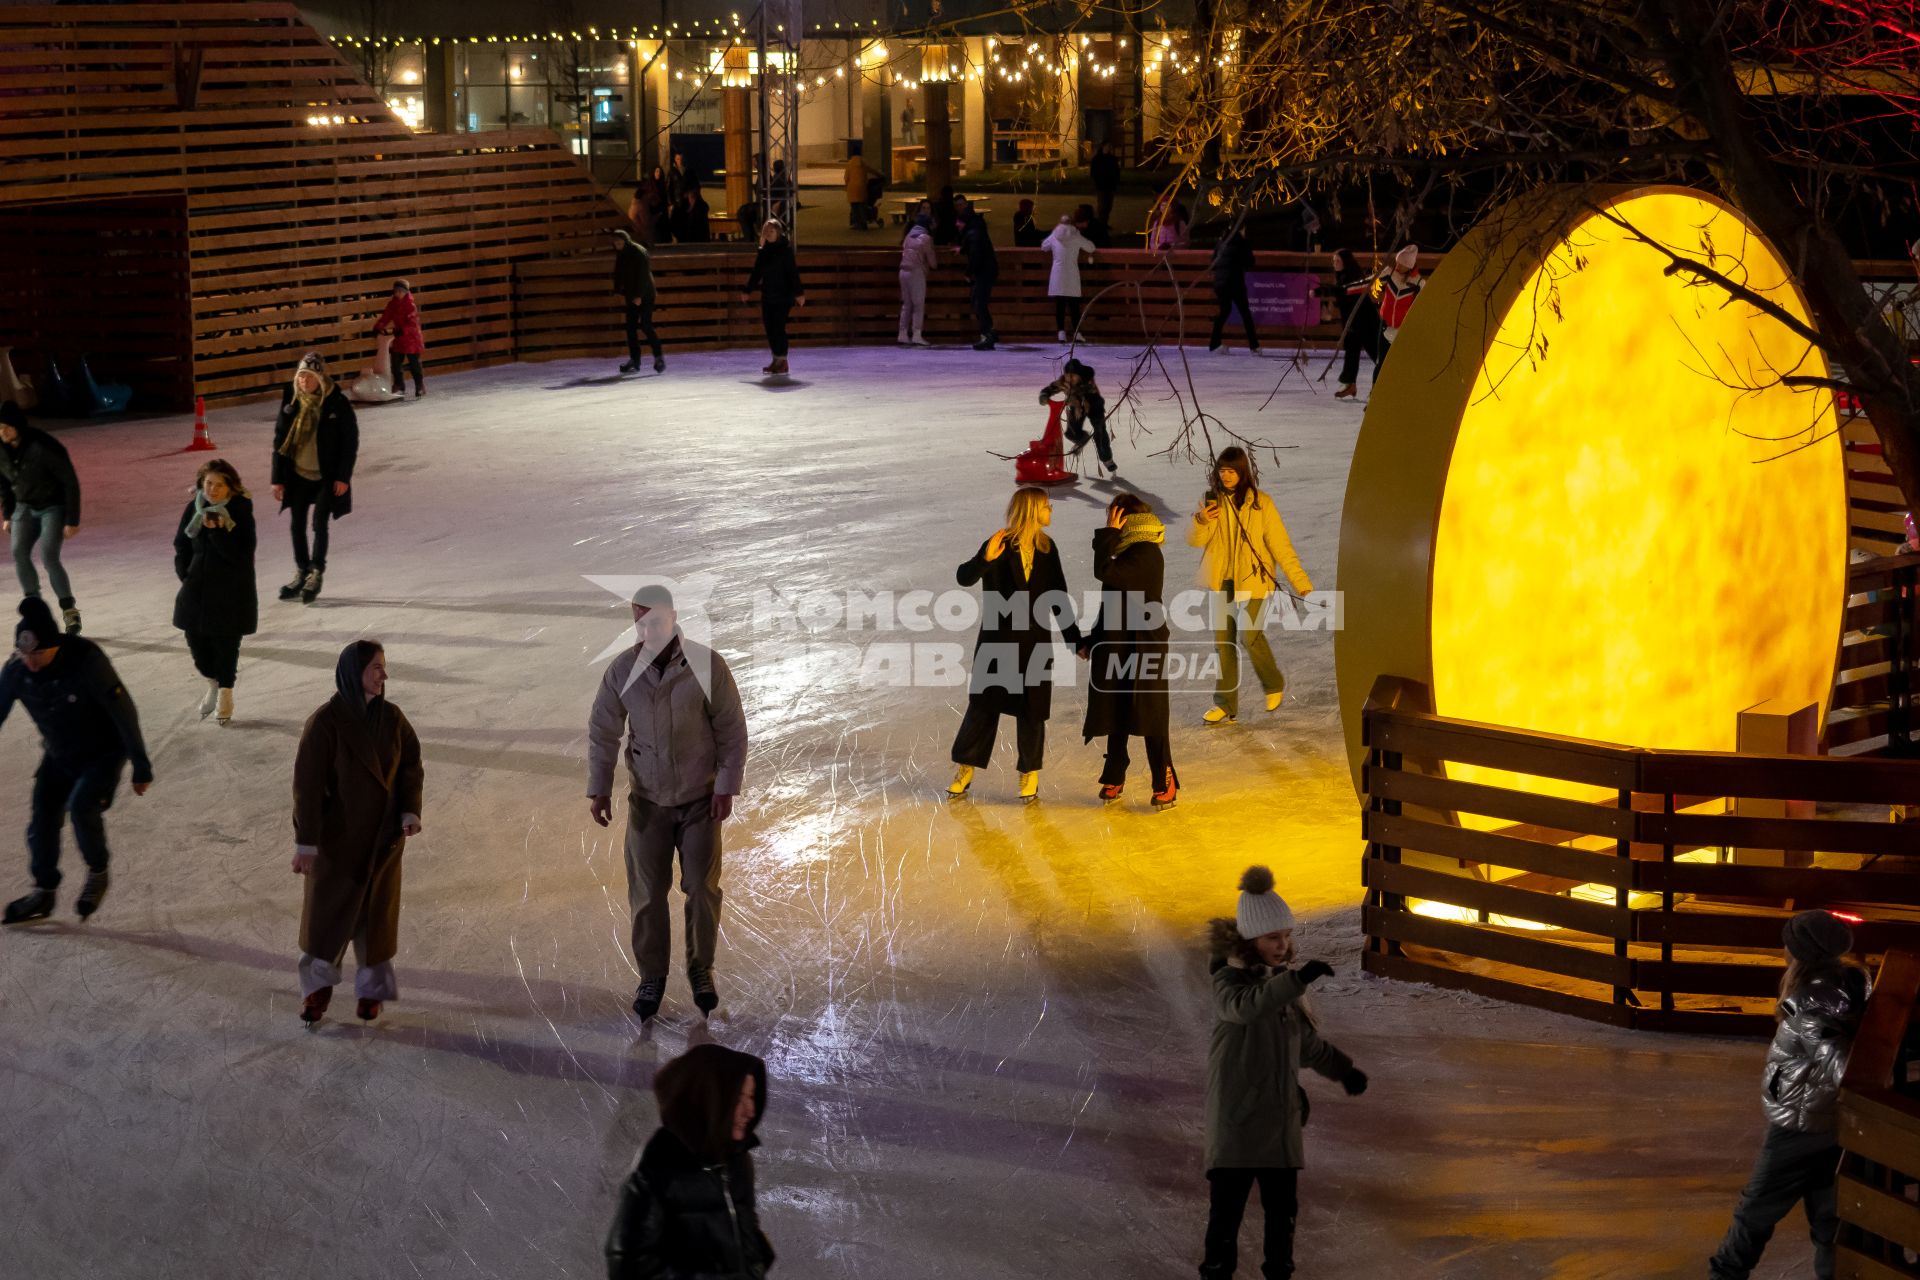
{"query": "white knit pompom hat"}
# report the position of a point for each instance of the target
(1261, 910)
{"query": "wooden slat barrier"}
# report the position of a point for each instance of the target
(291, 198)
(1872, 708)
(566, 307)
(1880, 1133)
(1612, 898)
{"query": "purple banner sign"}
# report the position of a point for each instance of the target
(1284, 298)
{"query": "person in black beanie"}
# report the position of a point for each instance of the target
(1822, 998)
(687, 1208)
(89, 731)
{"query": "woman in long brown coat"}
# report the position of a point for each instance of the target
(356, 798)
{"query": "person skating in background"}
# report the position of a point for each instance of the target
(89, 732)
(1398, 288)
(39, 506)
(1263, 1034)
(402, 319)
(776, 274)
(1024, 604)
(983, 270)
(1104, 170)
(1822, 997)
(687, 1208)
(1244, 545)
(916, 261)
(1127, 646)
(316, 441)
(1026, 232)
(1232, 259)
(1084, 404)
(217, 602)
(855, 181)
(357, 782)
(1352, 292)
(633, 281)
(686, 752)
(1064, 246)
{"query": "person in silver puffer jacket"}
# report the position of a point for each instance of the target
(1821, 1001)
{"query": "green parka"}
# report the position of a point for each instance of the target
(1261, 1038)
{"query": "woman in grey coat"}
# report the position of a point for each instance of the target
(1822, 998)
(1263, 1034)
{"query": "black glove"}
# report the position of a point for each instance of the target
(1354, 1082)
(1312, 971)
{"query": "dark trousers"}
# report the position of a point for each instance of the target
(773, 313)
(304, 504)
(1066, 314)
(411, 360)
(974, 743)
(1227, 1205)
(1363, 338)
(1229, 296)
(1159, 760)
(1102, 442)
(1103, 205)
(982, 295)
(82, 790)
(215, 657)
(655, 832)
(1793, 1168)
(639, 321)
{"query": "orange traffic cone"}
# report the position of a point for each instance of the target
(201, 442)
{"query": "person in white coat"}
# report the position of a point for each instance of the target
(1244, 550)
(916, 260)
(1065, 246)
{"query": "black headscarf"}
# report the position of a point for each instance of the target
(698, 1091)
(347, 679)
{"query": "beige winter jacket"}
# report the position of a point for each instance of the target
(686, 734)
(1246, 546)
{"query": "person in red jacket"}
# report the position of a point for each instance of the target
(1398, 288)
(402, 320)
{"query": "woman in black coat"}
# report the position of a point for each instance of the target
(687, 1209)
(316, 440)
(213, 558)
(776, 274)
(1023, 602)
(1352, 292)
(1127, 689)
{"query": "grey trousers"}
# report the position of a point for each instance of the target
(654, 833)
(1792, 1168)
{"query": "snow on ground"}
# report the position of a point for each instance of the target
(986, 1024)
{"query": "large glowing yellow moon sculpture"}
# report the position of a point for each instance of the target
(1582, 500)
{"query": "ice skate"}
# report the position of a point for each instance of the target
(1347, 391)
(37, 905)
(419, 393)
(1030, 786)
(1112, 472)
(646, 1001)
(1216, 716)
(1110, 792)
(310, 588)
(767, 367)
(903, 341)
(314, 1007)
(208, 703)
(631, 366)
(70, 618)
(366, 1010)
(985, 344)
(1275, 699)
(780, 365)
(1060, 336)
(962, 780)
(706, 997)
(659, 364)
(224, 713)
(92, 893)
(920, 341)
(292, 589)
(1164, 799)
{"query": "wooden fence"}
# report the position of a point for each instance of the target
(1880, 1133)
(1874, 678)
(1625, 907)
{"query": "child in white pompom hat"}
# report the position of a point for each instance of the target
(1262, 1036)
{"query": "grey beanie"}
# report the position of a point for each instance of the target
(1261, 910)
(1813, 936)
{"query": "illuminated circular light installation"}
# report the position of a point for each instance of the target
(1582, 502)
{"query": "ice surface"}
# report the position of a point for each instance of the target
(986, 1024)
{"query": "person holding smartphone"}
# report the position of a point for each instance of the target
(218, 603)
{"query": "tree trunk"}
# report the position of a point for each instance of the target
(1858, 337)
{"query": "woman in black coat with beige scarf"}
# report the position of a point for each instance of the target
(1127, 642)
(217, 603)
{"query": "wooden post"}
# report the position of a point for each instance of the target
(1622, 898)
(736, 118)
(438, 100)
(1666, 916)
(1776, 728)
(939, 134)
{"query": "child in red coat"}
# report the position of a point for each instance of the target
(402, 320)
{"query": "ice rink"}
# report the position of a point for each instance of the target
(986, 1024)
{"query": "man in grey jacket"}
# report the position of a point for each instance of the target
(685, 748)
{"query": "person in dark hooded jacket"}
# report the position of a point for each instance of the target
(1232, 259)
(39, 505)
(89, 731)
(1085, 405)
(687, 1209)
